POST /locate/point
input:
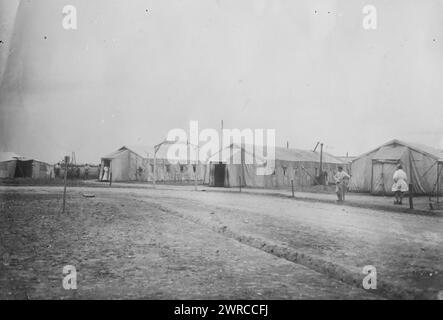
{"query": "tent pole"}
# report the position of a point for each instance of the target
(438, 180)
(153, 174)
(196, 167)
(321, 164)
(64, 188)
(410, 171)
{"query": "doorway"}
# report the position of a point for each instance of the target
(219, 175)
(382, 176)
(23, 169)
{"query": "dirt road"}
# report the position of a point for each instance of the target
(146, 243)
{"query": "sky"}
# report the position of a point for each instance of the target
(134, 70)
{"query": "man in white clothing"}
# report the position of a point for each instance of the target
(400, 185)
(341, 178)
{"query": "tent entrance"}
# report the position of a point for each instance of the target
(219, 175)
(105, 174)
(23, 169)
(382, 176)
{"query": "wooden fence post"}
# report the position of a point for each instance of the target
(65, 182)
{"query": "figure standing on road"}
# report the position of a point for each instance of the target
(400, 185)
(341, 179)
(105, 173)
(86, 171)
(57, 170)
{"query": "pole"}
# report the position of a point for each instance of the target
(411, 201)
(110, 177)
(321, 163)
(438, 181)
(292, 186)
(197, 150)
(153, 169)
(220, 143)
(195, 178)
(239, 180)
(65, 178)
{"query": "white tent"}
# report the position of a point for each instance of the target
(373, 171)
(236, 164)
(136, 163)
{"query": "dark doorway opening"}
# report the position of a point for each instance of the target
(105, 172)
(219, 175)
(23, 169)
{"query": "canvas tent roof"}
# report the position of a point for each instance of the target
(346, 159)
(148, 151)
(8, 156)
(113, 155)
(304, 155)
(286, 154)
(387, 151)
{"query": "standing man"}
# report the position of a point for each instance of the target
(341, 179)
(86, 171)
(57, 169)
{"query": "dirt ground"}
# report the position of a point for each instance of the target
(160, 243)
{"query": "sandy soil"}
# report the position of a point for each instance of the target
(124, 244)
(250, 241)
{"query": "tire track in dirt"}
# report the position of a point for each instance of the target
(281, 250)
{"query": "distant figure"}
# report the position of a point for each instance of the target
(57, 170)
(139, 173)
(341, 178)
(86, 171)
(400, 185)
(105, 173)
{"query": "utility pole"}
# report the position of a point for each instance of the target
(220, 138)
(66, 176)
(153, 169)
(321, 161)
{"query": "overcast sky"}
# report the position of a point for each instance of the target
(135, 69)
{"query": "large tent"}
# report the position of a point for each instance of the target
(373, 171)
(8, 161)
(137, 163)
(300, 166)
(16, 166)
(124, 165)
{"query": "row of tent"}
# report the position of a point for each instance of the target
(299, 166)
(371, 172)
